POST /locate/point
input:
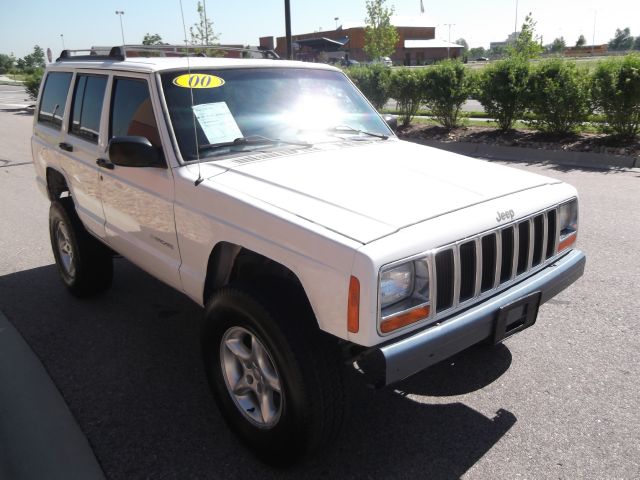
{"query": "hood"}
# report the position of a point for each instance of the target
(371, 190)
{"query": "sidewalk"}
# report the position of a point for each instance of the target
(5, 80)
(39, 438)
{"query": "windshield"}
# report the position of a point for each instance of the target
(278, 106)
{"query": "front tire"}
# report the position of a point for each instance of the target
(277, 379)
(84, 264)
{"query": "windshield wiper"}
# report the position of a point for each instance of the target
(249, 141)
(349, 128)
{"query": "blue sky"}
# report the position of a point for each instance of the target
(86, 23)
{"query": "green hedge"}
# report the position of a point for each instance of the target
(616, 93)
(407, 86)
(559, 96)
(554, 96)
(447, 86)
(373, 81)
(502, 90)
(32, 84)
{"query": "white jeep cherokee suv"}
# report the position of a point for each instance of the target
(274, 195)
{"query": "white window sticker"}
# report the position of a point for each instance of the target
(217, 122)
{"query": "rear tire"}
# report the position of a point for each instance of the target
(261, 352)
(84, 264)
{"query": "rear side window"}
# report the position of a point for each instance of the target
(54, 99)
(132, 112)
(87, 106)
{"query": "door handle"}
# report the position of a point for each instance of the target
(66, 146)
(101, 162)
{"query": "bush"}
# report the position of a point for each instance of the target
(502, 89)
(446, 87)
(407, 87)
(32, 84)
(559, 96)
(373, 82)
(616, 93)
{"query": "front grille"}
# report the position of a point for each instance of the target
(476, 265)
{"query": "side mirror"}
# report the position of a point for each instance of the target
(134, 152)
(392, 121)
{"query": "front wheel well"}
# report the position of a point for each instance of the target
(232, 264)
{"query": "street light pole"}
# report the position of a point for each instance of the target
(515, 23)
(120, 13)
(449, 25)
(62, 38)
(287, 26)
(336, 19)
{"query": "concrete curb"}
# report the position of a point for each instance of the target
(39, 438)
(558, 157)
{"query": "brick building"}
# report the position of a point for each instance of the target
(417, 43)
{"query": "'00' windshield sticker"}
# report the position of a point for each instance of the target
(198, 80)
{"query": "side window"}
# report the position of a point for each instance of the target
(132, 112)
(87, 106)
(54, 99)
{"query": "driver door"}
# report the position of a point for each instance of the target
(138, 201)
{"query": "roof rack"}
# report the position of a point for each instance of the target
(115, 53)
(120, 53)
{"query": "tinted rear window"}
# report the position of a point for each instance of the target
(54, 98)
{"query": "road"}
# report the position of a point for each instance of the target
(558, 400)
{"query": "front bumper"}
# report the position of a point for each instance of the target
(396, 361)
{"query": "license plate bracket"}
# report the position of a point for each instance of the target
(516, 316)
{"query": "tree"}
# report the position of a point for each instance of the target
(380, 36)
(527, 44)
(559, 45)
(581, 41)
(465, 45)
(202, 32)
(6, 63)
(21, 64)
(477, 52)
(154, 39)
(35, 59)
(636, 45)
(622, 40)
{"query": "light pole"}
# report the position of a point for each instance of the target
(120, 13)
(287, 28)
(336, 19)
(515, 23)
(449, 25)
(593, 38)
(62, 38)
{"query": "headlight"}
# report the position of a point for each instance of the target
(404, 294)
(567, 224)
(396, 284)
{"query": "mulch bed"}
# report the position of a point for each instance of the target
(579, 142)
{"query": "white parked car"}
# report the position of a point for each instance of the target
(274, 195)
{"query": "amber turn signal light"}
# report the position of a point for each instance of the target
(567, 242)
(404, 319)
(353, 307)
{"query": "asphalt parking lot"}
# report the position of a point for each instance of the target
(559, 400)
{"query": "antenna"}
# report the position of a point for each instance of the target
(199, 180)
